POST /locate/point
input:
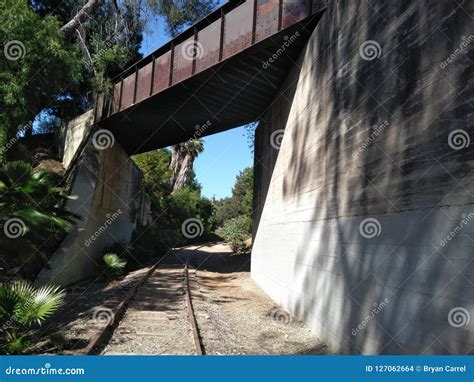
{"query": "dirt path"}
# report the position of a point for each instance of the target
(233, 315)
(156, 320)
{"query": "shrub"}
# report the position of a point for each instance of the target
(235, 232)
(127, 253)
(23, 308)
(114, 265)
(34, 198)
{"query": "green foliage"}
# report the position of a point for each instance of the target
(155, 166)
(128, 253)
(236, 231)
(240, 203)
(23, 308)
(179, 14)
(46, 67)
(114, 265)
(33, 197)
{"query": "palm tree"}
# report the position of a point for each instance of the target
(182, 161)
(114, 265)
(33, 197)
(23, 308)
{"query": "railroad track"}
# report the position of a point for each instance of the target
(197, 338)
(158, 319)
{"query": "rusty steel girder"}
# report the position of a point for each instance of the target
(226, 32)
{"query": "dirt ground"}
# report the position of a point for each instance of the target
(88, 307)
(235, 316)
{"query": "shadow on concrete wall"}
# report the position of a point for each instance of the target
(408, 177)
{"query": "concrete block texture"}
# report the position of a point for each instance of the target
(110, 202)
(364, 192)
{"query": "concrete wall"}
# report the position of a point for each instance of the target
(111, 203)
(74, 134)
(374, 139)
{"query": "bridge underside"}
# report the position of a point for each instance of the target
(230, 94)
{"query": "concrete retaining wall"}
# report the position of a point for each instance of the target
(110, 201)
(375, 121)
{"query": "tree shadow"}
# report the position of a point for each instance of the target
(325, 183)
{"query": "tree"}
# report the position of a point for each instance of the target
(155, 166)
(240, 203)
(182, 165)
(179, 14)
(23, 308)
(37, 66)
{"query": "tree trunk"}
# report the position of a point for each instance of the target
(177, 156)
(184, 172)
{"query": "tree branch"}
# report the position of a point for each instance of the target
(89, 8)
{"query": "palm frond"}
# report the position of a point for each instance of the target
(114, 262)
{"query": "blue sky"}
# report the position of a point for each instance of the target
(225, 154)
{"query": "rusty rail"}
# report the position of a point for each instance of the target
(191, 315)
(229, 30)
(98, 339)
